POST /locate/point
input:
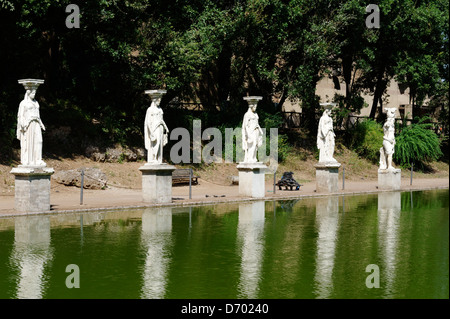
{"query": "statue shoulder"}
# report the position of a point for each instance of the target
(22, 104)
(321, 120)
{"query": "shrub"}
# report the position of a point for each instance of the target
(417, 144)
(367, 139)
(269, 121)
(284, 149)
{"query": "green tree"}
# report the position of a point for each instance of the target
(212, 51)
(419, 66)
(408, 36)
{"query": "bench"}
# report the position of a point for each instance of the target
(181, 176)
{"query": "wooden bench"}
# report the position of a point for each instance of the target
(181, 176)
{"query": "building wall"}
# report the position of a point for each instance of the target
(326, 90)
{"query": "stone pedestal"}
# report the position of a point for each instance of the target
(32, 188)
(157, 183)
(327, 177)
(389, 179)
(251, 179)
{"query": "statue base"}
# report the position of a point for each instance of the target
(327, 177)
(32, 188)
(389, 179)
(157, 183)
(251, 179)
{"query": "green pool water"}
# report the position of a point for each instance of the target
(307, 248)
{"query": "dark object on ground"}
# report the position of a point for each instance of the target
(181, 176)
(288, 181)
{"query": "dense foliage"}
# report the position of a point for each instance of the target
(417, 145)
(367, 139)
(213, 52)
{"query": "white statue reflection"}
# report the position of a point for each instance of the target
(157, 241)
(327, 220)
(389, 208)
(250, 234)
(31, 253)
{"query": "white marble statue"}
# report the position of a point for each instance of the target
(387, 150)
(325, 135)
(251, 131)
(155, 129)
(30, 126)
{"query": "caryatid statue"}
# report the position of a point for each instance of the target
(30, 126)
(388, 148)
(155, 129)
(251, 131)
(325, 135)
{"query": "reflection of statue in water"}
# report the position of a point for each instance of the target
(30, 126)
(387, 150)
(251, 133)
(325, 136)
(155, 129)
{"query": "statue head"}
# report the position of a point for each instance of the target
(252, 106)
(30, 86)
(31, 93)
(252, 102)
(156, 96)
(327, 108)
(156, 101)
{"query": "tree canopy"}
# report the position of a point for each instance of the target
(212, 51)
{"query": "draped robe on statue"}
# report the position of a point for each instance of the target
(325, 139)
(155, 134)
(29, 132)
(251, 136)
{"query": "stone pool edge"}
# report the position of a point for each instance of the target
(211, 202)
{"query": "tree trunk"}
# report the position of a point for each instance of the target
(379, 89)
(310, 110)
(347, 65)
(282, 100)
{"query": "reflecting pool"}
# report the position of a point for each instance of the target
(307, 248)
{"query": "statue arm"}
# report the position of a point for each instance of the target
(163, 124)
(42, 125)
(39, 119)
(260, 129)
(330, 130)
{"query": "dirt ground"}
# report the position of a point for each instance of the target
(124, 184)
